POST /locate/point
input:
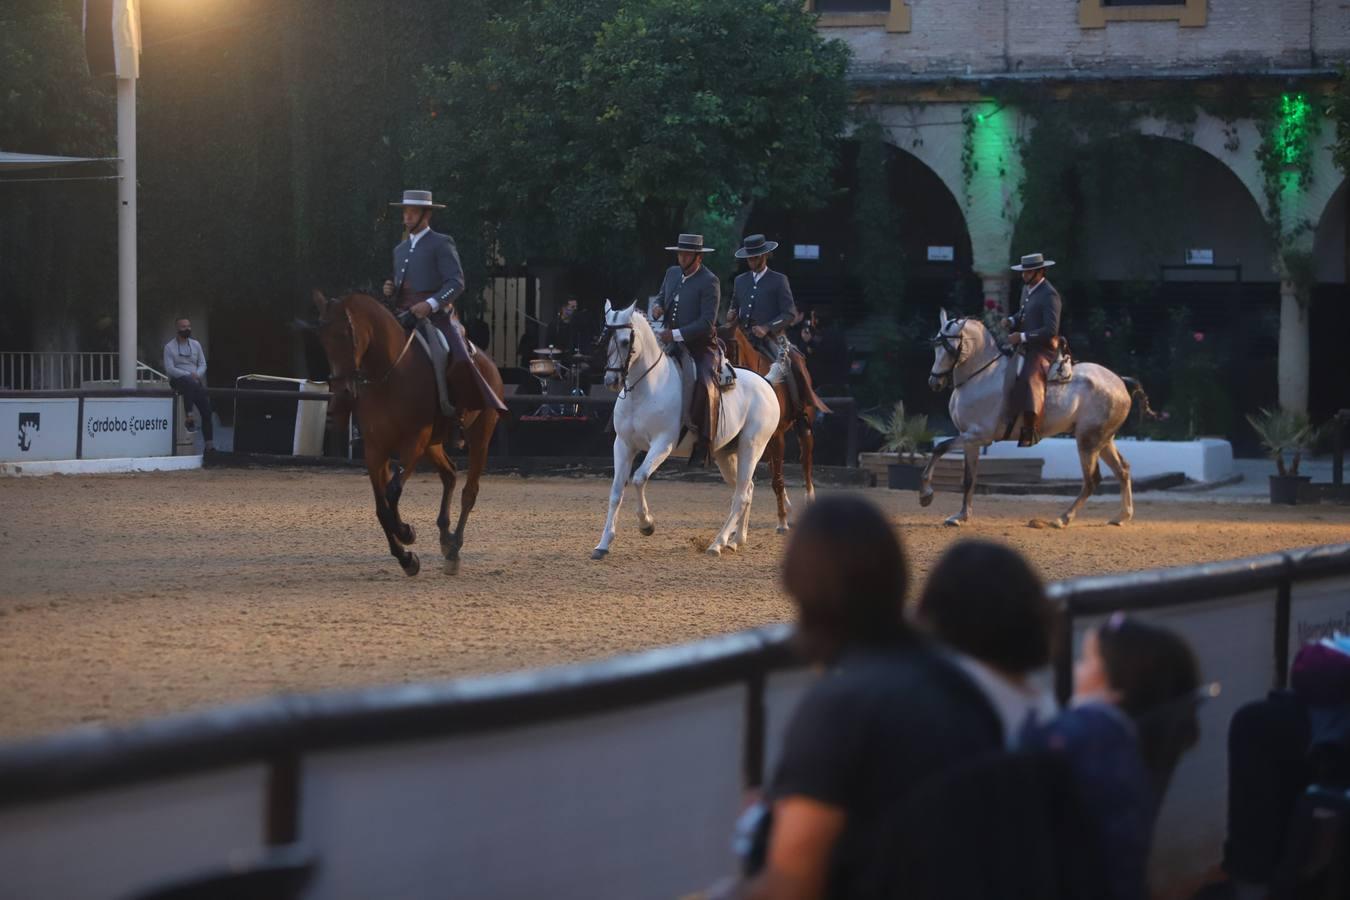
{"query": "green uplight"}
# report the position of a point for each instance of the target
(1291, 134)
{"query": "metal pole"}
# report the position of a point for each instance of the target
(126, 231)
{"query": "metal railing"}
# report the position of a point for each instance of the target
(65, 371)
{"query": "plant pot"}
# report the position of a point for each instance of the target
(904, 476)
(1285, 488)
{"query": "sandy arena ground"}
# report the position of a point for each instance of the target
(123, 597)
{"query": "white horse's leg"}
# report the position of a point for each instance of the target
(727, 463)
(745, 472)
(1111, 454)
(661, 449)
(1092, 476)
(623, 462)
(972, 463)
(926, 479)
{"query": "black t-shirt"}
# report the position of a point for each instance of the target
(874, 726)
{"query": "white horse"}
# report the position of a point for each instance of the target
(648, 416)
(1091, 406)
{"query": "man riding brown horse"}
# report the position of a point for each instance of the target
(763, 308)
(1035, 327)
(427, 279)
(690, 295)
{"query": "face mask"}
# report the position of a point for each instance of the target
(184, 332)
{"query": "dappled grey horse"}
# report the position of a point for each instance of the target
(1091, 406)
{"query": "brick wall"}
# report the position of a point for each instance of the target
(975, 36)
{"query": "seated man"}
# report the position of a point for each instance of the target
(1036, 327)
(185, 364)
(763, 306)
(690, 295)
(428, 277)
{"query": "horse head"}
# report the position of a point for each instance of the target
(622, 328)
(948, 348)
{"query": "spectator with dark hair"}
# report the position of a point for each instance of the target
(988, 606)
(1132, 717)
(886, 713)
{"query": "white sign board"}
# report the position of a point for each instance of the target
(1199, 257)
(806, 251)
(38, 429)
(941, 254)
(117, 427)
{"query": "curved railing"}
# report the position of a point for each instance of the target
(614, 778)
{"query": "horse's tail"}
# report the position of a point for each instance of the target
(1138, 392)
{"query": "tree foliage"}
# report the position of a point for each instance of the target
(595, 130)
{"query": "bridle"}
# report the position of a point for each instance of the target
(954, 350)
(609, 335)
(353, 382)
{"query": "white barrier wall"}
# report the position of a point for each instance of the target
(633, 804)
(113, 842)
(1207, 459)
(36, 429)
(1316, 609)
(124, 427)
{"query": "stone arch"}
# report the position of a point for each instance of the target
(935, 133)
(1226, 217)
(1232, 144)
(929, 214)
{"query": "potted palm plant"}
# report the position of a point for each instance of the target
(904, 436)
(1284, 431)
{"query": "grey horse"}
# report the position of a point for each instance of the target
(1091, 406)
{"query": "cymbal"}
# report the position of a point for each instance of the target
(547, 351)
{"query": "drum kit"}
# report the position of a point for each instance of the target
(548, 367)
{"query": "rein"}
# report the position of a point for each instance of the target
(946, 341)
(358, 379)
(628, 361)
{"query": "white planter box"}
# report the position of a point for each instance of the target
(1207, 459)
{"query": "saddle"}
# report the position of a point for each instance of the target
(434, 343)
(1061, 370)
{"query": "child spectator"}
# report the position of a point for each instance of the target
(1131, 718)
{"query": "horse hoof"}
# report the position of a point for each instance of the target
(451, 566)
(412, 566)
(1117, 522)
(954, 521)
(647, 530)
(408, 535)
(925, 500)
(713, 551)
(784, 529)
(597, 553)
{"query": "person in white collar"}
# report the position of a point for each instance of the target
(986, 604)
(185, 364)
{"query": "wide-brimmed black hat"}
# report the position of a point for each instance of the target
(691, 243)
(755, 245)
(421, 199)
(1033, 261)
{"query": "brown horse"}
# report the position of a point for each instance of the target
(390, 385)
(742, 353)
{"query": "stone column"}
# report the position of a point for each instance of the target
(1294, 342)
(995, 287)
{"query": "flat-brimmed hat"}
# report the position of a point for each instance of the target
(691, 243)
(755, 245)
(419, 199)
(1033, 261)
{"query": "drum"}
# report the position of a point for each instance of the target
(543, 368)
